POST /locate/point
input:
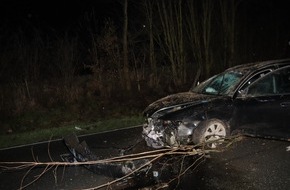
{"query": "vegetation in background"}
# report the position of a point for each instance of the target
(107, 70)
(78, 128)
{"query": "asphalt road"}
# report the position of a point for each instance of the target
(251, 163)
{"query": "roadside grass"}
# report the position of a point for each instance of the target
(79, 128)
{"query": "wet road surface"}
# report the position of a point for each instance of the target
(251, 163)
(75, 177)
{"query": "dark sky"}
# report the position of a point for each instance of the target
(54, 13)
(260, 18)
(61, 13)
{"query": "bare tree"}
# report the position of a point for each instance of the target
(199, 31)
(67, 57)
(171, 41)
(228, 10)
(105, 58)
(152, 57)
(125, 47)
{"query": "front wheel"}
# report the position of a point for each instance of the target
(210, 131)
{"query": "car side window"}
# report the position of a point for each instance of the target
(262, 87)
(283, 81)
(243, 91)
(277, 82)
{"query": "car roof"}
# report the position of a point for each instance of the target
(250, 68)
(259, 65)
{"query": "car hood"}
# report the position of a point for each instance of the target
(184, 99)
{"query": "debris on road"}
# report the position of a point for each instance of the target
(163, 166)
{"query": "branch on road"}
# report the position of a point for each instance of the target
(186, 158)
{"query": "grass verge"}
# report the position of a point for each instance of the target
(9, 140)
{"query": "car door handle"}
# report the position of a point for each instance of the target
(285, 104)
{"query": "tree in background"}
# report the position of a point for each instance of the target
(171, 39)
(199, 30)
(126, 68)
(105, 59)
(149, 9)
(228, 11)
(184, 41)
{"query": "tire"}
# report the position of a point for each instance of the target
(210, 130)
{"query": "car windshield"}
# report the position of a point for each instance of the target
(221, 84)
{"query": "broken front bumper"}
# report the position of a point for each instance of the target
(159, 134)
(153, 135)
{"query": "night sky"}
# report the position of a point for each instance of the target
(262, 19)
(261, 14)
(58, 14)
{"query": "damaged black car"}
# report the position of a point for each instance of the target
(251, 99)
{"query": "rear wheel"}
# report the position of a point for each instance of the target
(210, 131)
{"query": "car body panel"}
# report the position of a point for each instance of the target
(182, 99)
(267, 116)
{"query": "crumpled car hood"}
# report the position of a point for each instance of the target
(176, 99)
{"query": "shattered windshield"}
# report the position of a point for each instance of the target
(221, 84)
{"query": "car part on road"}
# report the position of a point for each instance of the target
(153, 168)
(82, 153)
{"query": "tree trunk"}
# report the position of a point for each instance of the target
(228, 17)
(171, 42)
(125, 48)
(152, 59)
(200, 34)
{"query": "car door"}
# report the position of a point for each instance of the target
(264, 109)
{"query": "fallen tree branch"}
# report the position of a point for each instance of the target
(200, 151)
